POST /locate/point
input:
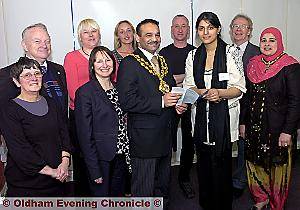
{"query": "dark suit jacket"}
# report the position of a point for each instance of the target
(250, 51)
(97, 126)
(149, 125)
(8, 89)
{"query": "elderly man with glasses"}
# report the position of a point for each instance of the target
(241, 31)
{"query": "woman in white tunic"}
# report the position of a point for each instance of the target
(214, 70)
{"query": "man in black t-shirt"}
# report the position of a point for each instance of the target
(175, 55)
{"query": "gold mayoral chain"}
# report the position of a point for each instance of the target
(270, 63)
(163, 86)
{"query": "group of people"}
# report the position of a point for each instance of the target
(115, 115)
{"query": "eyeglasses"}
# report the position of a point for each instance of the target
(28, 76)
(243, 27)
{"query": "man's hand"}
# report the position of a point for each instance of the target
(181, 108)
(242, 131)
(99, 180)
(170, 99)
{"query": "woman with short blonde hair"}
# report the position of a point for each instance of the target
(76, 65)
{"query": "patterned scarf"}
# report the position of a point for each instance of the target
(258, 70)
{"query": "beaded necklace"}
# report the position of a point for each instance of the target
(85, 52)
(163, 86)
(270, 63)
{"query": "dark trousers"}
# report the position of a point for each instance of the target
(127, 183)
(239, 176)
(150, 176)
(187, 150)
(80, 174)
(113, 174)
(215, 179)
(2, 177)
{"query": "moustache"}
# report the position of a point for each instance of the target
(153, 42)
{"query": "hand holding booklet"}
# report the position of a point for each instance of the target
(189, 96)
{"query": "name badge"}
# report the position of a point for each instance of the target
(223, 76)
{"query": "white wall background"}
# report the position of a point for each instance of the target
(293, 30)
(109, 12)
(18, 14)
(3, 46)
(15, 15)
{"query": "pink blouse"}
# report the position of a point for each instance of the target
(77, 73)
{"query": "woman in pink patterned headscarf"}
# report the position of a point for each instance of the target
(274, 110)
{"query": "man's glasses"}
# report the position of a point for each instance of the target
(236, 26)
(28, 76)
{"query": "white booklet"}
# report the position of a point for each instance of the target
(189, 96)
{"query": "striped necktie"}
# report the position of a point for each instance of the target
(43, 69)
(154, 60)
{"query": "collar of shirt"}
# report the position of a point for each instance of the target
(148, 55)
(44, 64)
(242, 47)
(44, 67)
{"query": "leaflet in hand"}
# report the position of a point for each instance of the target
(189, 96)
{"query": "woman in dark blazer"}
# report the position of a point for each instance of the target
(101, 127)
(274, 110)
